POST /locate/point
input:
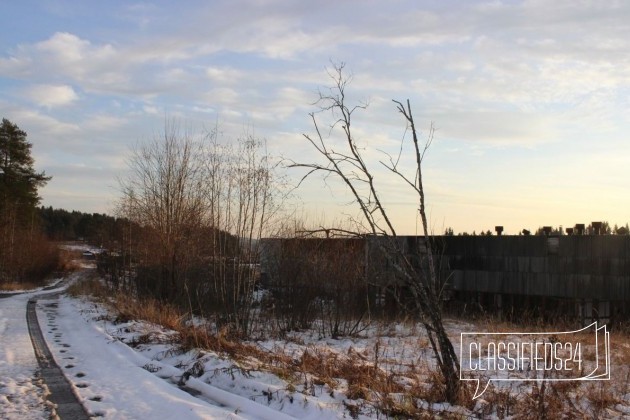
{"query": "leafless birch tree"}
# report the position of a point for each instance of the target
(242, 192)
(348, 164)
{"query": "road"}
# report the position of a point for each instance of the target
(32, 385)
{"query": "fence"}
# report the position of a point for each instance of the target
(583, 276)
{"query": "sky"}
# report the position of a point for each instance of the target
(530, 99)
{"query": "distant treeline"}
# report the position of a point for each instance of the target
(95, 228)
(600, 228)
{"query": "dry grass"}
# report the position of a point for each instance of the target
(66, 263)
(620, 345)
(15, 286)
(69, 260)
(565, 399)
(128, 308)
(601, 398)
(89, 285)
(42, 260)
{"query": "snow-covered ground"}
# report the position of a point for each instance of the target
(108, 376)
(133, 369)
(21, 395)
(116, 380)
(116, 377)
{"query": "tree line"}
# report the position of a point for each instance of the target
(604, 228)
(28, 231)
(95, 228)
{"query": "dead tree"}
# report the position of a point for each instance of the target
(346, 162)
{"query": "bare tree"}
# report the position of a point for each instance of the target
(242, 191)
(347, 163)
(202, 207)
(165, 192)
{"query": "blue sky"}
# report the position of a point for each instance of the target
(530, 99)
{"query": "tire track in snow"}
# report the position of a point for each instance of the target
(61, 393)
(22, 393)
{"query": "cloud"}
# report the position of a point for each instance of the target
(106, 123)
(68, 57)
(508, 76)
(225, 75)
(35, 121)
(51, 95)
(222, 95)
(150, 109)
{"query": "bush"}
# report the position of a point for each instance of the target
(317, 278)
(29, 258)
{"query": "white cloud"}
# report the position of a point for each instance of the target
(222, 95)
(51, 95)
(64, 47)
(224, 75)
(105, 123)
(34, 120)
(150, 109)
(68, 57)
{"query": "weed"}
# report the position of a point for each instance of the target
(600, 398)
(17, 286)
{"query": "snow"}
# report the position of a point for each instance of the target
(21, 394)
(135, 370)
(115, 380)
(108, 375)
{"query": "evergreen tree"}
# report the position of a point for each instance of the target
(18, 179)
(24, 254)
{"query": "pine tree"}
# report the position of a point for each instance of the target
(18, 179)
(23, 255)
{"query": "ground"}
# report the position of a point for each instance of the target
(125, 368)
(21, 394)
(115, 376)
